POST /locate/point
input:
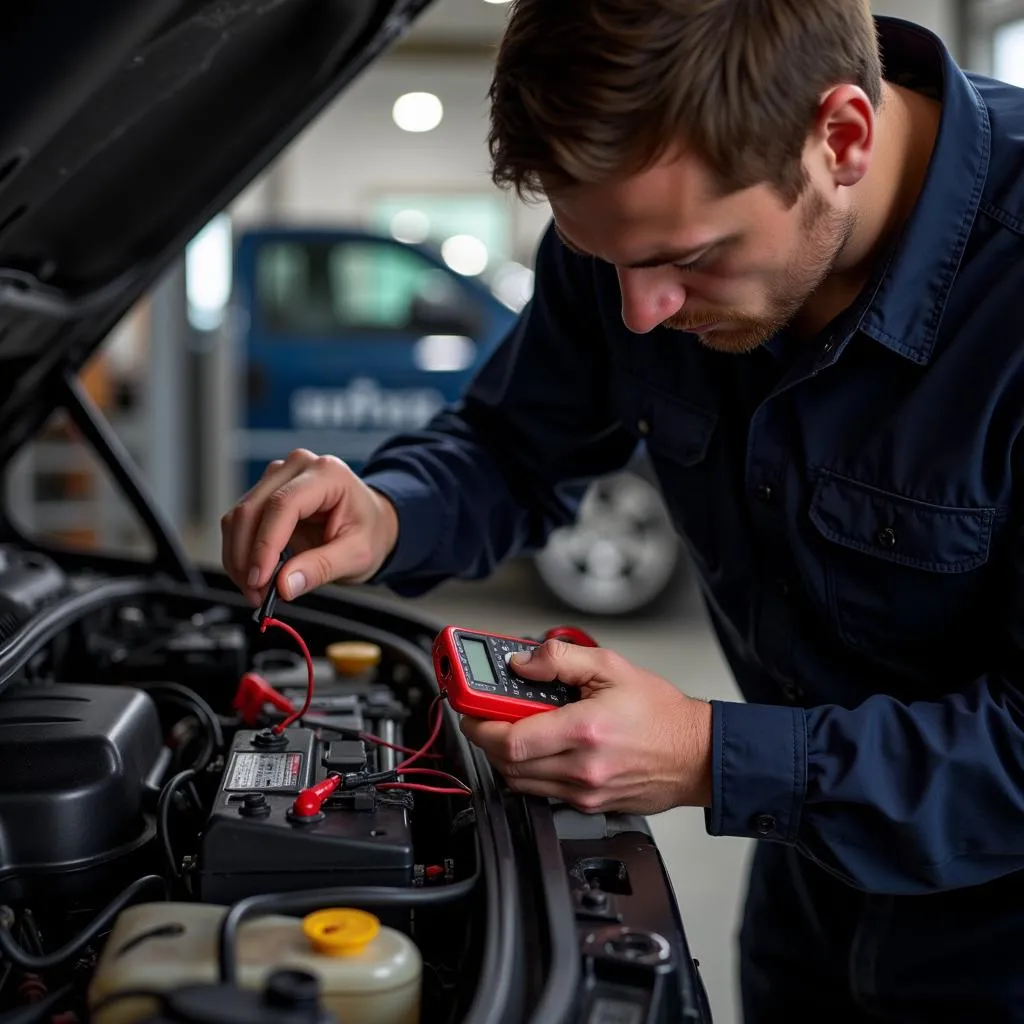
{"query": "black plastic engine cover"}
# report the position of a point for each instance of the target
(28, 582)
(75, 764)
(251, 844)
(210, 656)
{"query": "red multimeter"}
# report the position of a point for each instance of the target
(472, 669)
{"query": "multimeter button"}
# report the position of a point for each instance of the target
(508, 656)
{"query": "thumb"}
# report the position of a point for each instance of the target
(346, 559)
(568, 663)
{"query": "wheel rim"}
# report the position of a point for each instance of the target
(619, 555)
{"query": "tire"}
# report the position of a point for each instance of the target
(621, 554)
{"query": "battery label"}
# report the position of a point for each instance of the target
(265, 770)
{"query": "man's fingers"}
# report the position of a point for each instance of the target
(575, 768)
(545, 734)
(483, 734)
(300, 498)
(347, 559)
(568, 663)
(238, 527)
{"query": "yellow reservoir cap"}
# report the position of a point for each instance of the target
(340, 931)
(350, 657)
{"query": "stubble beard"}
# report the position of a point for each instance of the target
(826, 233)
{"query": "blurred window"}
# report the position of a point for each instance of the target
(993, 38)
(329, 288)
(1008, 52)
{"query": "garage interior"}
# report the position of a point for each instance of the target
(401, 153)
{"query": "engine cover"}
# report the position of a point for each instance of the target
(251, 844)
(76, 760)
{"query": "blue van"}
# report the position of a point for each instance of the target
(348, 337)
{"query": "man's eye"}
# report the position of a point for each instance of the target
(703, 260)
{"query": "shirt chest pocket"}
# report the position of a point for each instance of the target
(904, 578)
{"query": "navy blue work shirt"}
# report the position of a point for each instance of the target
(854, 507)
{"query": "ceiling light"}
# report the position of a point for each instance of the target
(208, 274)
(417, 112)
(465, 254)
(410, 226)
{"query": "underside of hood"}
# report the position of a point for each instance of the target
(127, 125)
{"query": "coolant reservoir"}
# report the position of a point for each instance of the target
(351, 658)
(368, 973)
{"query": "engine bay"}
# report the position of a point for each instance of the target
(156, 772)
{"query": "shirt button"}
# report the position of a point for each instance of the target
(644, 427)
(793, 691)
(764, 824)
(764, 493)
(887, 537)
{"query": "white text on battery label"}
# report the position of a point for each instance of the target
(277, 770)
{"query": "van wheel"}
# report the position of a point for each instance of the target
(621, 554)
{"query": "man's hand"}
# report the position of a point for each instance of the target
(339, 528)
(633, 743)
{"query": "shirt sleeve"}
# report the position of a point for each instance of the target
(495, 474)
(891, 797)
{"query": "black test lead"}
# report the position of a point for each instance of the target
(269, 603)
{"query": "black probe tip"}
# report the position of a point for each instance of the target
(269, 603)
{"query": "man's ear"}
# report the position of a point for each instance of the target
(844, 133)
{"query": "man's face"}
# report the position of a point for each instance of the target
(733, 269)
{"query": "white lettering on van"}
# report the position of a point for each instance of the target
(364, 405)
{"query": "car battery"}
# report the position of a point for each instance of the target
(349, 696)
(253, 843)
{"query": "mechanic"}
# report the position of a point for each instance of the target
(797, 278)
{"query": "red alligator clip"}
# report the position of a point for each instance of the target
(252, 693)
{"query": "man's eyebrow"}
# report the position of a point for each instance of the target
(659, 259)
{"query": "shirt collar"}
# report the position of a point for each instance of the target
(903, 307)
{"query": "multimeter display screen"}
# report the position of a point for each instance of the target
(479, 662)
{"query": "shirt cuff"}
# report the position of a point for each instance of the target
(758, 771)
(419, 522)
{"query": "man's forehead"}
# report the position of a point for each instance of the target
(679, 186)
(631, 224)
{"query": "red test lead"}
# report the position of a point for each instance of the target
(310, 674)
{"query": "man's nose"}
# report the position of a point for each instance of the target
(649, 297)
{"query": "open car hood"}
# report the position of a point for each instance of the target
(126, 127)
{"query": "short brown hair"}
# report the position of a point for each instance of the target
(587, 90)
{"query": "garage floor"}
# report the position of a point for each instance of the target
(708, 873)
